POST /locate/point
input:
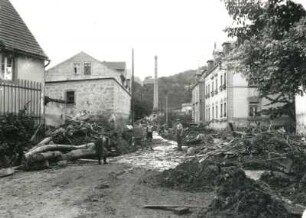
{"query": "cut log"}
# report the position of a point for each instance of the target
(80, 153)
(57, 147)
(43, 142)
(51, 155)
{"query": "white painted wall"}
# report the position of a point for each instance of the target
(30, 69)
(241, 103)
(216, 99)
(196, 103)
(300, 110)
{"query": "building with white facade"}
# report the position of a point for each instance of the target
(221, 96)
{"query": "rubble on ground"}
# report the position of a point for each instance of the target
(189, 176)
(239, 196)
(279, 156)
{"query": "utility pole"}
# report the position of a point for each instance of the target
(155, 98)
(167, 108)
(132, 88)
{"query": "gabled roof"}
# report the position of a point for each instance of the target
(14, 33)
(81, 54)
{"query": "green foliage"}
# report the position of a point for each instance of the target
(251, 17)
(15, 135)
(142, 104)
(271, 46)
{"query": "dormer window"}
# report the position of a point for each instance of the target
(87, 68)
(7, 68)
(76, 68)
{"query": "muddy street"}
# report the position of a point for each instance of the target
(86, 189)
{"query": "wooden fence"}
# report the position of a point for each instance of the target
(14, 96)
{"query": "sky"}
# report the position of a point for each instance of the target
(182, 33)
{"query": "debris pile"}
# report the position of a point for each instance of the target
(267, 150)
(280, 159)
(70, 141)
(239, 196)
(73, 140)
(190, 176)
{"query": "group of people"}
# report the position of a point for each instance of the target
(141, 136)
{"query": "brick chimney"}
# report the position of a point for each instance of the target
(226, 47)
(210, 64)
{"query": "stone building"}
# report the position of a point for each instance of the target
(228, 97)
(86, 84)
(22, 65)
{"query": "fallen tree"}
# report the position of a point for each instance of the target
(58, 147)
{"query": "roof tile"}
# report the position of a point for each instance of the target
(14, 33)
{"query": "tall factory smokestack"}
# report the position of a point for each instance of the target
(155, 102)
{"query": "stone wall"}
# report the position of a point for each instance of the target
(100, 97)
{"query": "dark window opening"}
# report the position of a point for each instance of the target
(76, 68)
(253, 110)
(221, 110)
(87, 68)
(70, 97)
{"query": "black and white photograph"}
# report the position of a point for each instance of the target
(153, 109)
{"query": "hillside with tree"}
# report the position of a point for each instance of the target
(177, 87)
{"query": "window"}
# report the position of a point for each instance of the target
(253, 110)
(76, 68)
(70, 97)
(221, 110)
(216, 111)
(209, 113)
(213, 112)
(224, 104)
(221, 79)
(216, 84)
(212, 88)
(225, 79)
(87, 68)
(7, 68)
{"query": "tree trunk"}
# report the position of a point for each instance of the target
(51, 155)
(57, 147)
(43, 142)
(80, 153)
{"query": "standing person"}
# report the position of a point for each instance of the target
(150, 134)
(101, 148)
(179, 134)
(138, 133)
